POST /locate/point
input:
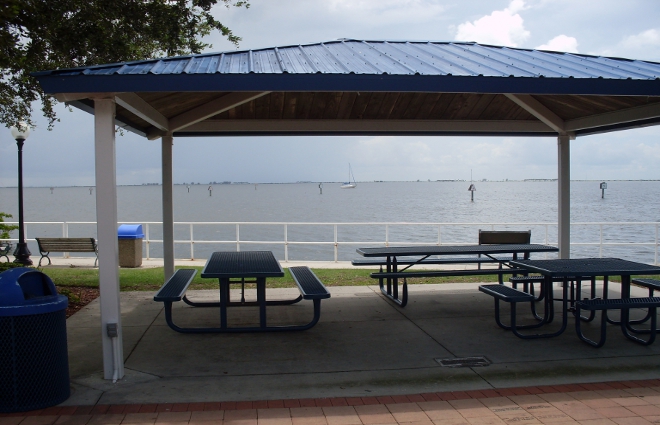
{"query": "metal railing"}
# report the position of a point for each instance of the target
(465, 238)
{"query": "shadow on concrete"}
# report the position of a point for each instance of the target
(362, 346)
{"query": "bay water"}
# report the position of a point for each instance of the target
(528, 204)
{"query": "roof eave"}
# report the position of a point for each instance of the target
(54, 84)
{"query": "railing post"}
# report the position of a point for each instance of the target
(600, 249)
(238, 244)
(439, 238)
(192, 242)
(148, 242)
(387, 235)
(336, 244)
(286, 242)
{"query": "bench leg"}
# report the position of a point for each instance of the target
(548, 316)
(42, 257)
(603, 329)
(630, 322)
(578, 291)
(400, 301)
(512, 321)
(529, 288)
(226, 329)
(628, 329)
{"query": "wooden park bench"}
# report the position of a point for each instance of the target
(5, 247)
(48, 245)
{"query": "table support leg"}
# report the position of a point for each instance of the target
(224, 301)
(261, 300)
(395, 282)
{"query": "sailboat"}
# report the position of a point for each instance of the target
(350, 184)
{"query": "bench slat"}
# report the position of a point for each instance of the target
(175, 286)
(441, 273)
(48, 245)
(618, 303)
(475, 260)
(66, 244)
(506, 293)
(309, 285)
(648, 283)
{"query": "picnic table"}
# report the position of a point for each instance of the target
(244, 267)
(570, 269)
(412, 256)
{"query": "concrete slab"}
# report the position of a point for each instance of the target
(362, 346)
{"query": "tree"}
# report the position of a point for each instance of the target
(38, 35)
(5, 228)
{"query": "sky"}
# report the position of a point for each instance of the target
(630, 29)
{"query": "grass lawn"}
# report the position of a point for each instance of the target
(150, 279)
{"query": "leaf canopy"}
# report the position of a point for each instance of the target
(38, 35)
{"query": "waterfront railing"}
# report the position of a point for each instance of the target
(336, 241)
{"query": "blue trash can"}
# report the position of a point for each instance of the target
(130, 245)
(34, 362)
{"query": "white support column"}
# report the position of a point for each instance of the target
(168, 206)
(564, 195)
(106, 218)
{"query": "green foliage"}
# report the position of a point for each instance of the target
(151, 279)
(73, 298)
(6, 266)
(38, 35)
(5, 228)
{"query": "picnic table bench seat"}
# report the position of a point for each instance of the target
(652, 284)
(512, 296)
(48, 245)
(310, 287)
(405, 261)
(651, 303)
(174, 289)
(443, 273)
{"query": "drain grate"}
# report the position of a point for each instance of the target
(480, 361)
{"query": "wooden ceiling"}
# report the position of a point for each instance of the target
(480, 113)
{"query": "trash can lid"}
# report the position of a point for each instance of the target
(25, 291)
(130, 231)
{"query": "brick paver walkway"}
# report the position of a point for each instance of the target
(632, 402)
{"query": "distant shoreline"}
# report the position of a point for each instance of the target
(338, 182)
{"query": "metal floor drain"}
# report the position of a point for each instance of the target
(464, 362)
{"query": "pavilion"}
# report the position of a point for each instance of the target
(346, 87)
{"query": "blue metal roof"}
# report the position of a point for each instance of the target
(387, 57)
(369, 65)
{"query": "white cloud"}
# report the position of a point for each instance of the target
(648, 38)
(561, 43)
(501, 27)
(644, 45)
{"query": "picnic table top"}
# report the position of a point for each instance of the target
(587, 267)
(231, 264)
(454, 250)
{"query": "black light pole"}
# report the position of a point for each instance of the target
(22, 253)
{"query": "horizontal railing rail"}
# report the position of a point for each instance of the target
(336, 241)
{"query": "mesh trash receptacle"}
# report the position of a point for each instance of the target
(130, 245)
(34, 363)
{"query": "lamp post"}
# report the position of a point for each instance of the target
(22, 253)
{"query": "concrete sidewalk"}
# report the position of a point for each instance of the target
(365, 357)
(362, 346)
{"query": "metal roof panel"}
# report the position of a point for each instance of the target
(386, 57)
